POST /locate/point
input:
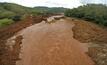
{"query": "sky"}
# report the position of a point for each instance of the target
(53, 3)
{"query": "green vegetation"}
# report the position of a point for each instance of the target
(14, 12)
(5, 22)
(8, 10)
(47, 10)
(8, 13)
(96, 13)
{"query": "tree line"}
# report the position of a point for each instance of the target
(96, 13)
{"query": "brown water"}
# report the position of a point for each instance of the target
(52, 44)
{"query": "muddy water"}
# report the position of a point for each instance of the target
(52, 44)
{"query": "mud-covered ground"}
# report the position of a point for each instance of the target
(52, 44)
(85, 32)
(95, 36)
(7, 56)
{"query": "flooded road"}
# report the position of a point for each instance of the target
(52, 44)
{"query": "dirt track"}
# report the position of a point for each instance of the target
(52, 44)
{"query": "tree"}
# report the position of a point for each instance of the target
(94, 12)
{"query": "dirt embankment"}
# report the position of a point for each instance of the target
(95, 36)
(8, 57)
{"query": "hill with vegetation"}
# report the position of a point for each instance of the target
(96, 13)
(10, 12)
(49, 10)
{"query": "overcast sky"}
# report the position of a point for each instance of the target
(52, 3)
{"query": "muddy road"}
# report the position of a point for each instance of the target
(52, 44)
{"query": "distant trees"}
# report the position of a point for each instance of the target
(93, 12)
(53, 10)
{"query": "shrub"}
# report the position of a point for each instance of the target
(6, 14)
(16, 18)
(5, 22)
(97, 13)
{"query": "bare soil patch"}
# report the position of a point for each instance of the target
(8, 57)
(93, 34)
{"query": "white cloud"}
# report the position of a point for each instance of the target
(51, 3)
(94, 1)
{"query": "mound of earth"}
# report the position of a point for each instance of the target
(95, 36)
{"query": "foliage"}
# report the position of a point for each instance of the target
(57, 10)
(15, 12)
(5, 22)
(9, 10)
(6, 14)
(16, 18)
(93, 12)
(53, 10)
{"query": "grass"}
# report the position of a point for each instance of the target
(5, 22)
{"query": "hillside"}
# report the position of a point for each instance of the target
(96, 13)
(93, 35)
(11, 9)
(11, 13)
(51, 9)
